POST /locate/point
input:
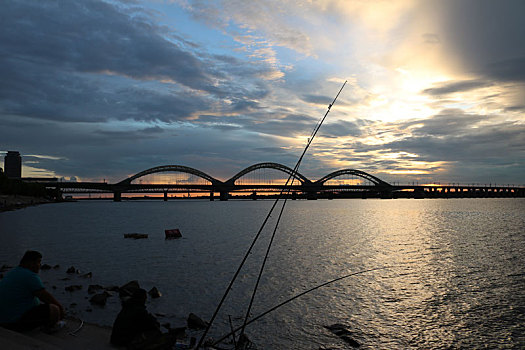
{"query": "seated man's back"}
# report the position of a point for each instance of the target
(134, 323)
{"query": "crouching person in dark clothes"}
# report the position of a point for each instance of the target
(136, 328)
(24, 302)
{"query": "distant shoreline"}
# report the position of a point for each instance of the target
(14, 202)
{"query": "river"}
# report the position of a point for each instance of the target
(455, 276)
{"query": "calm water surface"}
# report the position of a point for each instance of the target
(457, 276)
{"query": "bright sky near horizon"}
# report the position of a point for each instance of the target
(104, 89)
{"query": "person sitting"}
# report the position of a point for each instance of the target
(136, 328)
(25, 304)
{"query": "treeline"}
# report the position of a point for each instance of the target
(15, 186)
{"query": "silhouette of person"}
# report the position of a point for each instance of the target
(136, 328)
(25, 304)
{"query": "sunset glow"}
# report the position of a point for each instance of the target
(221, 85)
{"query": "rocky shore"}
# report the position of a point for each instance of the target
(13, 202)
(81, 295)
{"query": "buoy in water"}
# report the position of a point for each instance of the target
(173, 233)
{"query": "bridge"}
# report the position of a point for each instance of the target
(345, 183)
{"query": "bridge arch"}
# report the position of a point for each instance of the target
(269, 165)
(170, 168)
(377, 181)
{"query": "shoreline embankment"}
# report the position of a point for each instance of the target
(13, 202)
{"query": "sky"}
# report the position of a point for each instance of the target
(100, 90)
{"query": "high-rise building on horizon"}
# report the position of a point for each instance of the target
(13, 165)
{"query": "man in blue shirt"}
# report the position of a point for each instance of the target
(24, 302)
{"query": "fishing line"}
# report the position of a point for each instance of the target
(264, 262)
(237, 272)
(298, 296)
(286, 188)
(295, 170)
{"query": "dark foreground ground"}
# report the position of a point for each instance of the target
(89, 336)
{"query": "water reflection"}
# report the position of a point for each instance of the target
(456, 280)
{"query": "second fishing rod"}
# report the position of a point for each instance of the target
(287, 190)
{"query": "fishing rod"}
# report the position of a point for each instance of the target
(199, 344)
(295, 170)
(292, 175)
(298, 296)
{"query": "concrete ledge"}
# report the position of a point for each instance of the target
(89, 337)
(18, 341)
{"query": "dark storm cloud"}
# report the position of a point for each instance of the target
(93, 36)
(501, 144)
(475, 147)
(92, 60)
(81, 97)
(487, 36)
(269, 150)
(456, 86)
(243, 105)
(152, 132)
(508, 70)
(90, 150)
(327, 100)
(288, 126)
(471, 141)
(448, 123)
(317, 99)
(520, 108)
(455, 136)
(340, 128)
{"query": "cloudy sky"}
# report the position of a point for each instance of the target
(104, 89)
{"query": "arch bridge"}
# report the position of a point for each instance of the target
(208, 183)
(194, 180)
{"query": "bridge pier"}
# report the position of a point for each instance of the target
(419, 194)
(165, 196)
(385, 195)
(211, 196)
(117, 196)
(311, 196)
(224, 195)
(254, 196)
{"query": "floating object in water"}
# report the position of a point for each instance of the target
(135, 235)
(173, 233)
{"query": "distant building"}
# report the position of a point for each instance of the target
(13, 165)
